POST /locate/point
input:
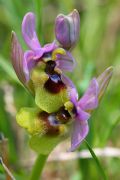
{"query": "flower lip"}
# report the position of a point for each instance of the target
(52, 126)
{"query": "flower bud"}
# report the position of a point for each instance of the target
(67, 29)
(103, 81)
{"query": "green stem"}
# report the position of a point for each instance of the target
(38, 167)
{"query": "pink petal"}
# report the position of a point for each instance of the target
(82, 115)
(28, 31)
(28, 63)
(17, 56)
(46, 49)
(74, 96)
(50, 47)
(65, 62)
(67, 81)
(89, 100)
(71, 88)
(80, 131)
(38, 53)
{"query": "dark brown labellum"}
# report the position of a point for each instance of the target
(54, 84)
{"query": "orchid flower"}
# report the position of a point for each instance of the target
(85, 105)
(24, 62)
(36, 51)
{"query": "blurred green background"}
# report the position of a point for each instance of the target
(97, 48)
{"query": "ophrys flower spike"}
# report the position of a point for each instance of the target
(41, 70)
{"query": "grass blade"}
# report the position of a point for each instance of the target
(111, 129)
(7, 68)
(100, 169)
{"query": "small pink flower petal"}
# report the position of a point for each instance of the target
(66, 62)
(46, 49)
(89, 100)
(67, 81)
(71, 89)
(82, 115)
(28, 31)
(80, 131)
(38, 53)
(74, 96)
(28, 63)
(50, 47)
